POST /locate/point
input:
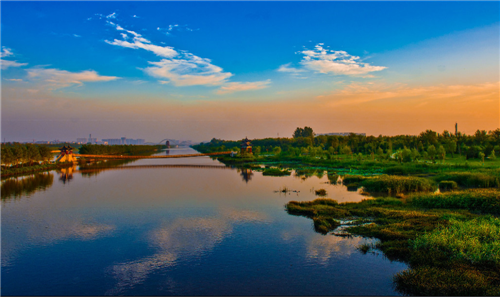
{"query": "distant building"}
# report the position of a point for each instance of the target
(246, 146)
(123, 140)
(341, 134)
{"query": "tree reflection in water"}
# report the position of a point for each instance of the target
(17, 187)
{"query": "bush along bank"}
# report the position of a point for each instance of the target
(451, 247)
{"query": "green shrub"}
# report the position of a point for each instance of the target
(484, 200)
(349, 179)
(276, 172)
(321, 192)
(448, 185)
(470, 179)
(397, 184)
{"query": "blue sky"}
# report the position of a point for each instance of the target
(169, 55)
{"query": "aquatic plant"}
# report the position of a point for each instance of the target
(276, 172)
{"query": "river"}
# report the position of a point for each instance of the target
(146, 229)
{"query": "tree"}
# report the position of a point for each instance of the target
(380, 151)
(7, 155)
(481, 156)
(256, 151)
(492, 155)
(277, 150)
(441, 152)
(451, 147)
(306, 132)
(45, 154)
(406, 155)
(32, 153)
(346, 150)
(415, 154)
(431, 151)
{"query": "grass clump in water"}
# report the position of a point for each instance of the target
(320, 192)
(390, 184)
(276, 172)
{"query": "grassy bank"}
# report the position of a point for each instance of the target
(16, 171)
(442, 237)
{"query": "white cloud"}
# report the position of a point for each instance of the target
(61, 78)
(14, 79)
(76, 35)
(181, 68)
(111, 16)
(141, 42)
(6, 52)
(287, 68)
(238, 87)
(322, 60)
(6, 64)
(188, 71)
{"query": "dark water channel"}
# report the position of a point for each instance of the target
(177, 230)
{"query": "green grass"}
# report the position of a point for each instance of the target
(476, 241)
(448, 185)
(390, 184)
(435, 281)
(471, 179)
(276, 172)
(477, 200)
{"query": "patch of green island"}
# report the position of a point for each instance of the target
(436, 207)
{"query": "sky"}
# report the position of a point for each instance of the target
(198, 70)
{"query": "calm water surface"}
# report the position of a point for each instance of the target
(177, 230)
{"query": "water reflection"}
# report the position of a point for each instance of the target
(246, 174)
(182, 238)
(66, 174)
(17, 187)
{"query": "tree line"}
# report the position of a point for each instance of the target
(427, 145)
(98, 149)
(25, 154)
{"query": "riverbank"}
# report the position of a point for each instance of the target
(450, 241)
(17, 171)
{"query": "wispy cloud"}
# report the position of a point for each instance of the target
(111, 16)
(326, 61)
(177, 27)
(6, 64)
(188, 71)
(56, 78)
(288, 68)
(180, 67)
(7, 52)
(14, 79)
(247, 86)
(322, 60)
(141, 42)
